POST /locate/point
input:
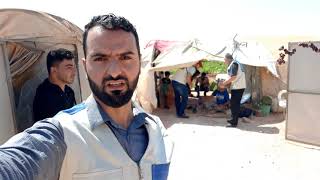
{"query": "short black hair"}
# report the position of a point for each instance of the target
(110, 22)
(203, 74)
(195, 74)
(228, 56)
(57, 56)
(167, 73)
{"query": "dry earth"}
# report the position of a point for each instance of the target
(205, 149)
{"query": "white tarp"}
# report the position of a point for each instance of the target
(188, 53)
(303, 95)
(249, 53)
(183, 55)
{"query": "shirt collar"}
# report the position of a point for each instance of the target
(97, 116)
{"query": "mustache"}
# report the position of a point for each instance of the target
(110, 78)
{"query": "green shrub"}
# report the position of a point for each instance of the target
(213, 86)
(266, 100)
(209, 67)
(213, 67)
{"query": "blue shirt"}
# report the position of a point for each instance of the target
(221, 97)
(35, 154)
(134, 140)
(38, 152)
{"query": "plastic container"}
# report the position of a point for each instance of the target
(265, 110)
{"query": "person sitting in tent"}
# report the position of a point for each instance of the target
(222, 98)
(181, 92)
(53, 94)
(164, 88)
(202, 84)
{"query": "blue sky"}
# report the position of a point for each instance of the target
(182, 20)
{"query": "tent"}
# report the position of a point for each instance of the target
(166, 55)
(25, 39)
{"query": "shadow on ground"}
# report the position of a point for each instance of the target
(257, 124)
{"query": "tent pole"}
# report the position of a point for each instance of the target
(10, 87)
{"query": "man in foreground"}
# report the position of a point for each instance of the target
(107, 137)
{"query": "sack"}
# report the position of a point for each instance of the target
(245, 112)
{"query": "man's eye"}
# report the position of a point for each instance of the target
(126, 58)
(99, 59)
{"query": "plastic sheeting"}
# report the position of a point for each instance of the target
(21, 58)
(184, 54)
(188, 53)
(19, 24)
(303, 96)
(249, 53)
(27, 66)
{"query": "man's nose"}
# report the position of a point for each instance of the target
(114, 68)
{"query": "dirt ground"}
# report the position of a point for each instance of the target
(205, 149)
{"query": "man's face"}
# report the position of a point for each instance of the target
(227, 61)
(66, 71)
(112, 65)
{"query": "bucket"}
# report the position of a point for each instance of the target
(265, 110)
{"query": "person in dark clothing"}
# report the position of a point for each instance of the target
(53, 94)
(164, 88)
(237, 79)
(202, 84)
(194, 76)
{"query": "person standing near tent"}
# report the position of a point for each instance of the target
(53, 94)
(108, 134)
(237, 80)
(179, 82)
(164, 88)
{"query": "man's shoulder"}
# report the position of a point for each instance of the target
(69, 89)
(191, 70)
(43, 85)
(75, 109)
(234, 64)
(70, 114)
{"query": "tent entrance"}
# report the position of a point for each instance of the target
(26, 69)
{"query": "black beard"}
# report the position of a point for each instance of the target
(117, 98)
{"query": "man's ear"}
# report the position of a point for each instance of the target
(53, 69)
(84, 64)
